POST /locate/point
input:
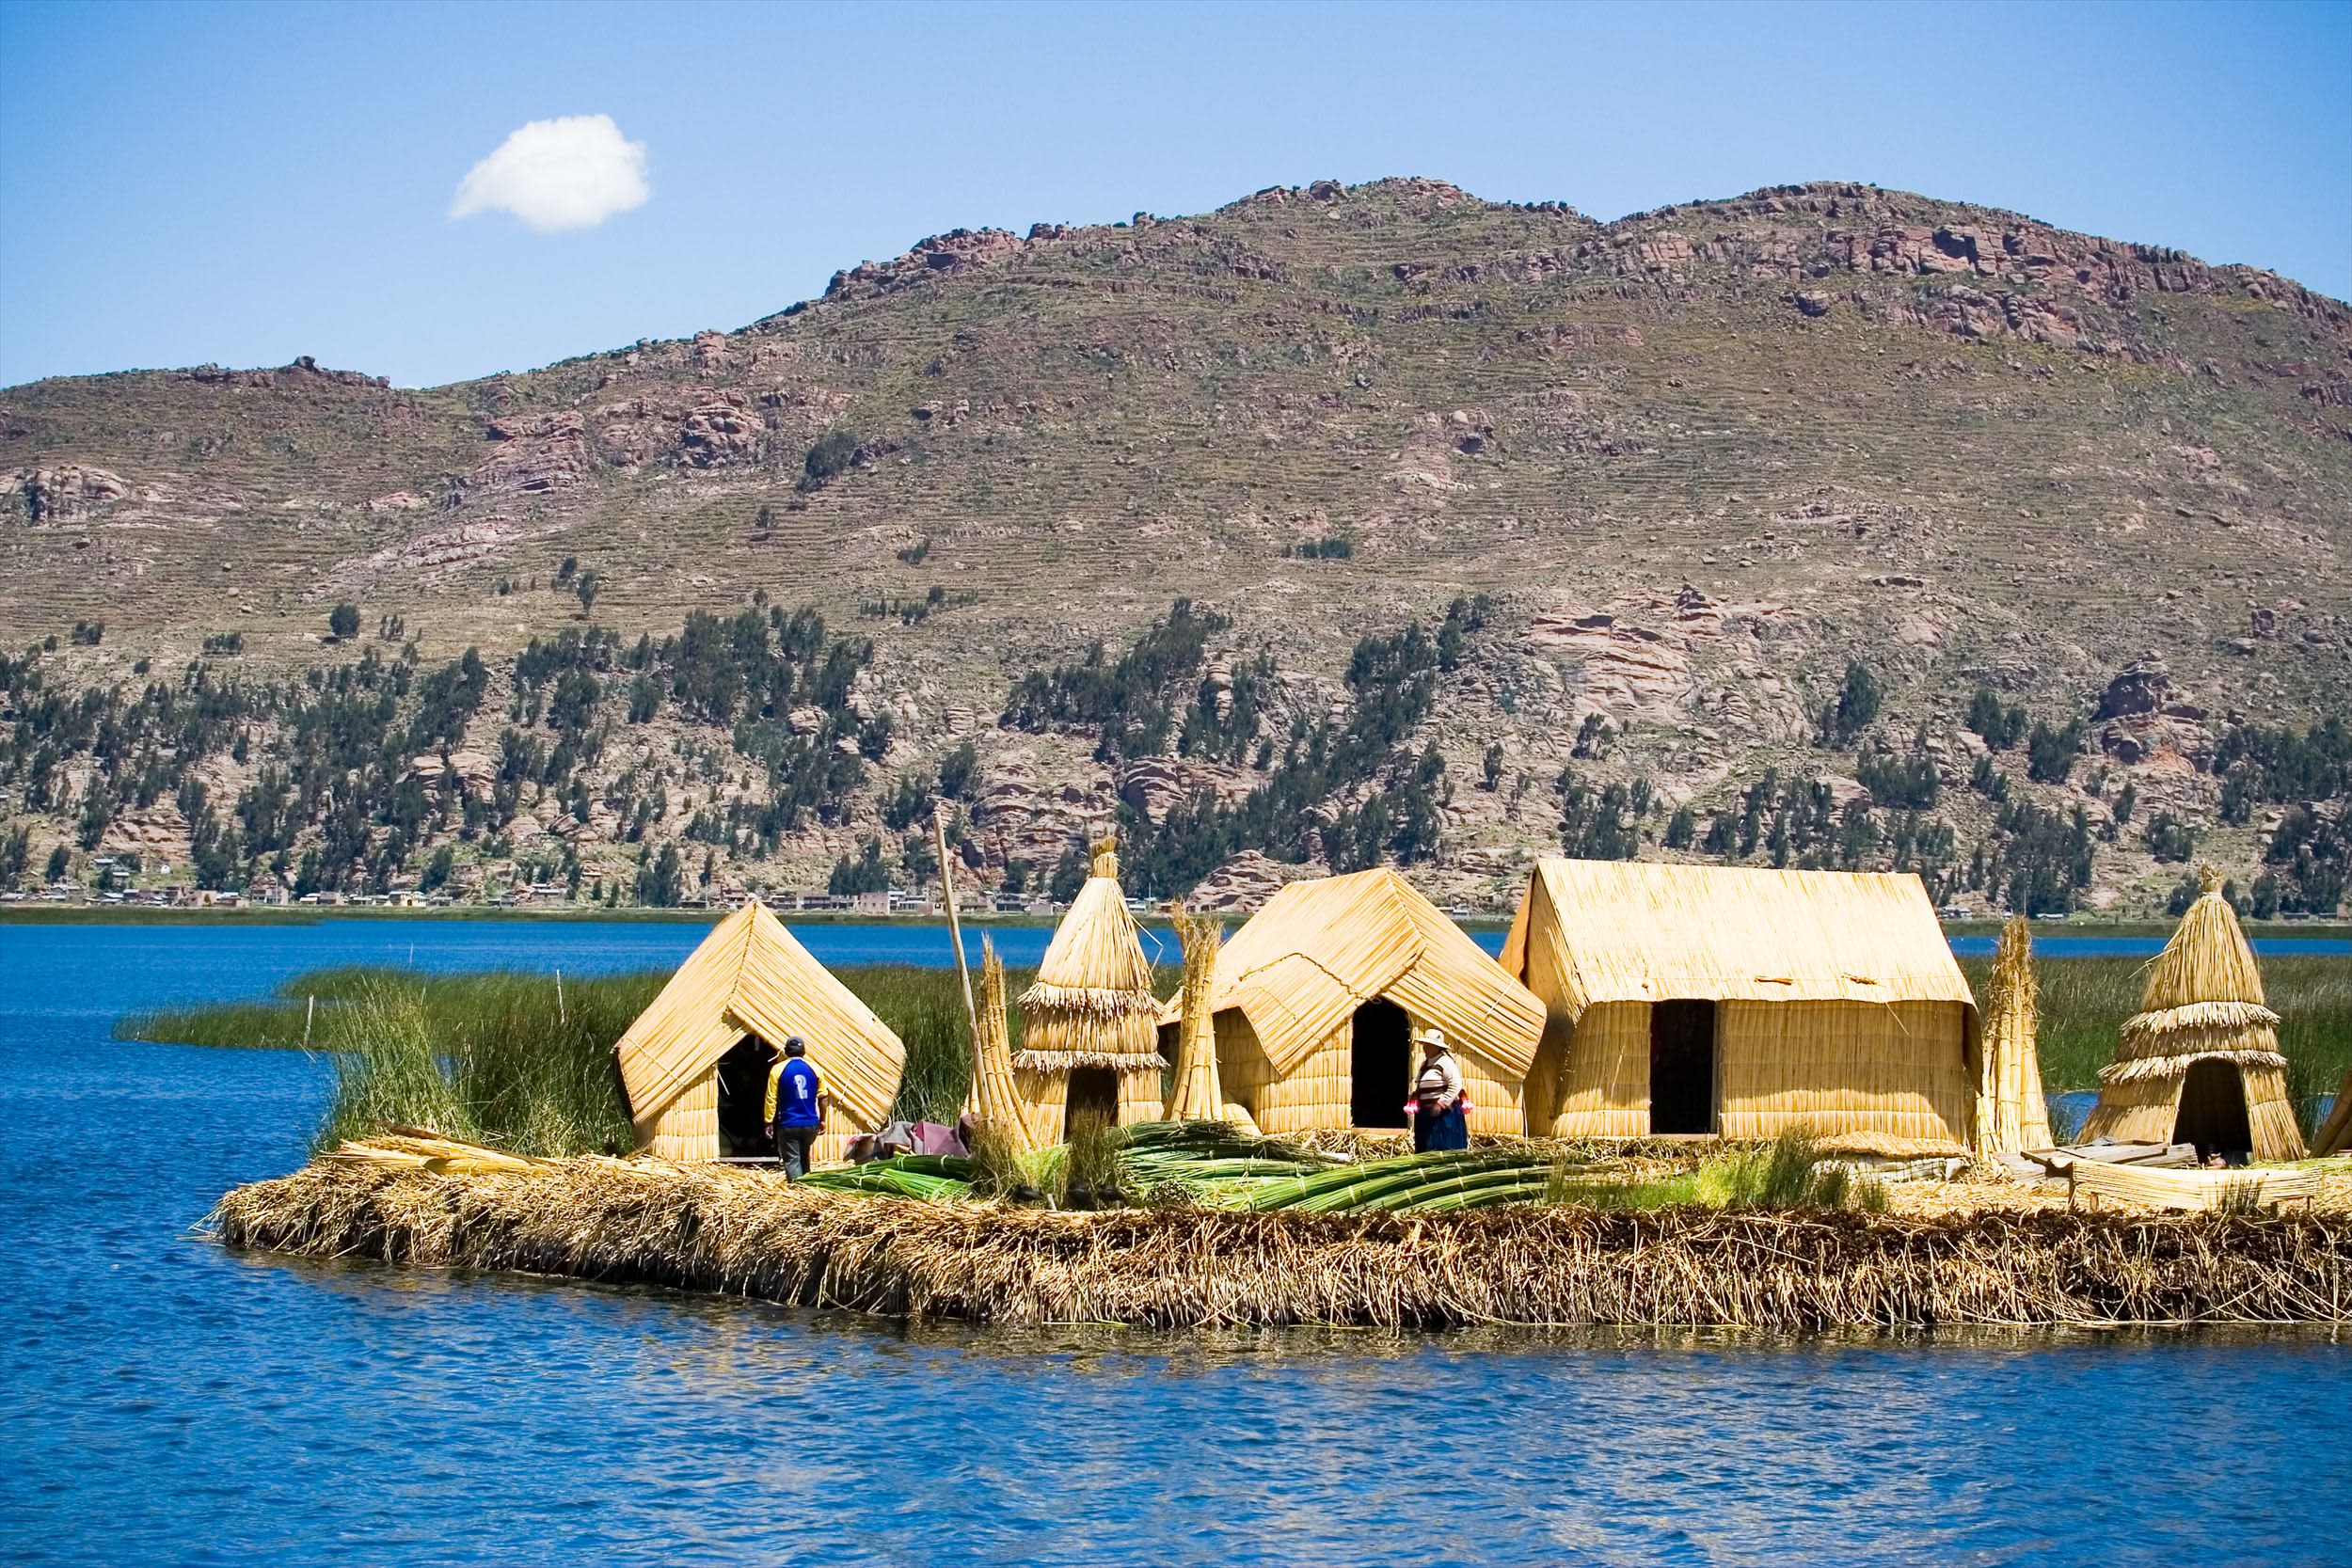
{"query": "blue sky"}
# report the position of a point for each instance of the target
(243, 183)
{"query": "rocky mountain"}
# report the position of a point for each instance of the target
(1770, 514)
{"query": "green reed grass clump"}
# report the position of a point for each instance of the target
(1787, 1173)
(499, 1059)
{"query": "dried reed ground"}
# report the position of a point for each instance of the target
(745, 1233)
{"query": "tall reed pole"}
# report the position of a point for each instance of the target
(955, 926)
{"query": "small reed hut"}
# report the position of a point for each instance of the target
(695, 1064)
(1739, 1001)
(1316, 1000)
(2200, 1062)
(2011, 1113)
(1088, 1036)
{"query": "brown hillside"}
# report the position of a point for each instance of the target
(1700, 458)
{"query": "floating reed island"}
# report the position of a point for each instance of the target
(1173, 1265)
(1701, 1097)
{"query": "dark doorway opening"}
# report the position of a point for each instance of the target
(2213, 1111)
(1380, 1065)
(743, 1100)
(1682, 1067)
(1093, 1091)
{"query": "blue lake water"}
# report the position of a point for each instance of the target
(166, 1400)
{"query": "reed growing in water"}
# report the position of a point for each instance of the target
(524, 1061)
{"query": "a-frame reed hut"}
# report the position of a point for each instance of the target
(1316, 1000)
(695, 1064)
(1088, 1034)
(1741, 1002)
(2200, 1062)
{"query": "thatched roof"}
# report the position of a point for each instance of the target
(750, 976)
(1095, 962)
(1319, 950)
(1629, 931)
(2203, 1000)
(1092, 1002)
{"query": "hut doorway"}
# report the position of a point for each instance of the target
(2213, 1111)
(1682, 1067)
(1093, 1090)
(744, 1100)
(1380, 1065)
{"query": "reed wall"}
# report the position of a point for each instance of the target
(1597, 1068)
(1900, 1069)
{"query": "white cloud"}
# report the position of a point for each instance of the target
(556, 174)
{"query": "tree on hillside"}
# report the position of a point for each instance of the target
(588, 585)
(342, 621)
(1857, 704)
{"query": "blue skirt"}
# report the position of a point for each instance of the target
(1446, 1129)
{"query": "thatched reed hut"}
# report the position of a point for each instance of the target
(695, 1064)
(1738, 1002)
(2011, 1113)
(1088, 1037)
(2200, 1062)
(1316, 1000)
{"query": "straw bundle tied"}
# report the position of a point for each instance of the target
(994, 1099)
(2011, 1113)
(715, 1229)
(1092, 1003)
(1197, 1095)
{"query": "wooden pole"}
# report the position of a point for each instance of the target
(955, 926)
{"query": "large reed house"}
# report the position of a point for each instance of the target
(1316, 999)
(1701, 998)
(695, 1064)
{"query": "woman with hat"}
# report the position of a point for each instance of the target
(1439, 1110)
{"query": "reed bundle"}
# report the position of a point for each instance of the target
(2011, 1113)
(1197, 1093)
(714, 1228)
(994, 1099)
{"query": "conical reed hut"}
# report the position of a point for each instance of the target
(2200, 1062)
(2011, 1113)
(1088, 1025)
(993, 1100)
(695, 1063)
(1196, 1094)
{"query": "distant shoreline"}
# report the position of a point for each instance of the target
(275, 914)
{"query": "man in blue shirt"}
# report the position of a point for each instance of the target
(799, 1107)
